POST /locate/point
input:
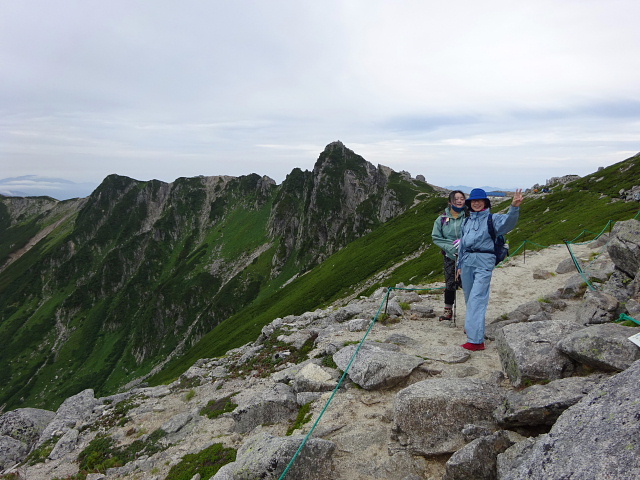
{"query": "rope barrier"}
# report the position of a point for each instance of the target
(335, 390)
(386, 299)
(624, 317)
(577, 265)
(581, 234)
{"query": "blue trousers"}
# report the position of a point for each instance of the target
(476, 284)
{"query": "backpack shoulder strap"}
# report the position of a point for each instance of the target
(492, 230)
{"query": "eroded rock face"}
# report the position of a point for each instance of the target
(429, 416)
(74, 410)
(313, 378)
(596, 438)
(604, 347)
(477, 459)
(25, 424)
(624, 246)
(543, 404)
(12, 451)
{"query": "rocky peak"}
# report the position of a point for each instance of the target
(343, 198)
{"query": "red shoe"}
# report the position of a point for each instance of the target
(473, 346)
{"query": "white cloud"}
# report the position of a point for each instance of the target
(453, 90)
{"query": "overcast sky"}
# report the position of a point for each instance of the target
(500, 93)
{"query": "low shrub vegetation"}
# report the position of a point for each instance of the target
(215, 408)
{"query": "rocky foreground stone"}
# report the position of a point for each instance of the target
(554, 395)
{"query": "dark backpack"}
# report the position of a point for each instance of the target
(500, 246)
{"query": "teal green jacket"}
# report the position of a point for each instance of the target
(446, 229)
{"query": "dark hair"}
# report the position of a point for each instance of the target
(452, 195)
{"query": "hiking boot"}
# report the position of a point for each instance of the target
(473, 346)
(448, 314)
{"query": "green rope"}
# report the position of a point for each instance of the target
(537, 244)
(624, 317)
(607, 226)
(577, 264)
(517, 249)
(581, 234)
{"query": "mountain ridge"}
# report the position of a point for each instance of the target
(143, 269)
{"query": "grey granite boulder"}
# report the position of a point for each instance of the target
(429, 416)
(597, 307)
(422, 310)
(75, 410)
(624, 246)
(393, 307)
(66, 444)
(600, 270)
(528, 351)
(525, 311)
(358, 324)
(477, 460)
(12, 451)
(619, 286)
(605, 347)
(313, 378)
(298, 339)
(266, 457)
(376, 365)
(575, 286)
(25, 424)
(566, 266)
(597, 438)
(513, 457)
(543, 404)
(274, 405)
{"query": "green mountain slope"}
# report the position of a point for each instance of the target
(103, 291)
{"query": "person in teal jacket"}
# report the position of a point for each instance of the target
(446, 232)
(476, 260)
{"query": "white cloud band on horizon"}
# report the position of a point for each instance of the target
(447, 90)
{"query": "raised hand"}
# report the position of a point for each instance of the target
(517, 198)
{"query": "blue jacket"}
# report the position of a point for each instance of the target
(475, 236)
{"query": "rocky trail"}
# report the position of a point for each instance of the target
(357, 424)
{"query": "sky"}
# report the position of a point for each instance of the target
(501, 93)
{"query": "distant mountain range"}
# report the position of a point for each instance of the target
(38, 186)
(467, 189)
(62, 189)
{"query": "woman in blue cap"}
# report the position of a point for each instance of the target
(446, 233)
(476, 259)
